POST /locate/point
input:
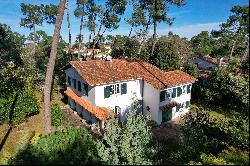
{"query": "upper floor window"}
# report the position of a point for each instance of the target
(179, 91)
(74, 82)
(184, 89)
(86, 88)
(69, 80)
(189, 88)
(174, 92)
(79, 86)
(165, 94)
(115, 89)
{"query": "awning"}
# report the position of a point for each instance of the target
(101, 113)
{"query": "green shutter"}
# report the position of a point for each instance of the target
(124, 88)
(86, 88)
(162, 95)
(106, 91)
(174, 93)
(179, 91)
(177, 108)
(187, 104)
(189, 88)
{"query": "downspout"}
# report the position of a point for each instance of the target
(142, 95)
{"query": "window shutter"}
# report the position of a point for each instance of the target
(86, 88)
(187, 104)
(162, 95)
(189, 88)
(179, 91)
(124, 88)
(106, 92)
(177, 108)
(174, 93)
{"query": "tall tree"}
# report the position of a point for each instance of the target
(102, 18)
(68, 21)
(158, 12)
(202, 43)
(80, 13)
(235, 31)
(51, 66)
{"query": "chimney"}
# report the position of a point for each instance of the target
(219, 60)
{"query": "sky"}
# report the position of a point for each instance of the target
(190, 20)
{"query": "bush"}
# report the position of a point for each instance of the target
(56, 119)
(67, 146)
(129, 144)
(17, 107)
(206, 139)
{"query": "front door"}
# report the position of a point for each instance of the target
(166, 115)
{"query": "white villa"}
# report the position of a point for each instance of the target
(99, 90)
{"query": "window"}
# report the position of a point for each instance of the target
(117, 110)
(184, 89)
(115, 89)
(174, 92)
(86, 88)
(168, 93)
(177, 108)
(69, 80)
(179, 91)
(189, 88)
(187, 104)
(79, 86)
(74, 82)
(162, 95)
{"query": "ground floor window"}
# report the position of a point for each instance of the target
(117, 110)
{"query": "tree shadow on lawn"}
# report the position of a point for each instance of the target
(10, 122)
(74, 154)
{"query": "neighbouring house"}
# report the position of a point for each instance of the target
(209, 63)
(99, 90)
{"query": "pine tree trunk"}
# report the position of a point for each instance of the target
(144, 37)
(80, 38)
(232, 50)
(130, 30)
(154, 38)
(51, 66)
(68, 20)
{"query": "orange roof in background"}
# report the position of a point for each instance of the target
(212, 60)
(101, 113)
(101, 72)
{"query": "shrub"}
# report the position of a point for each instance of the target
(129, 144)
(18, 106)
(56, 119)
(66, 146)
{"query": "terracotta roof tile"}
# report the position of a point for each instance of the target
(100, 72)
(101, 113)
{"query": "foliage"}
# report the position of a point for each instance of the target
(191, 69)
(202, 44)
(129, 144)
(10, 46)
(123, 46)
(56, 115)
(165, 56)
(18, 106)
(225, 89)
(66, 146)
(208, 139)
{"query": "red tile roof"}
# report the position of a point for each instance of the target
(101, 113)
(213, 60)
(100, 72)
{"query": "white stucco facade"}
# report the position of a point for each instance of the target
(136, 89)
